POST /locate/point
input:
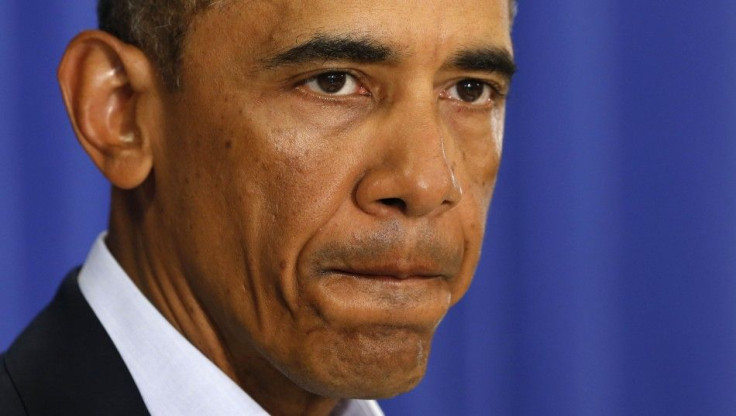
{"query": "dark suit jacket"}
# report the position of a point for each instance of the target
(64, 363)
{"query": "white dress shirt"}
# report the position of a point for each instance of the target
(173, 377)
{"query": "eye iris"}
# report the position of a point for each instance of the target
(470, 90)
(332, 82)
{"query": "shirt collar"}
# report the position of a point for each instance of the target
(153, 350)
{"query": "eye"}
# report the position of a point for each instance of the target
(335, 84)
(471, 91)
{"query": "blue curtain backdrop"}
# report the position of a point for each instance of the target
(608, 283)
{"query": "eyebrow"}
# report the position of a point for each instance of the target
(333, 48)
(496, 60)
(367, 50)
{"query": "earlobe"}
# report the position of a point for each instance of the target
(107, 85)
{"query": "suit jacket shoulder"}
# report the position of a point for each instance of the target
(10, 403)
(64, 363)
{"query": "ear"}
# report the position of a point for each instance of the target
(109, 88)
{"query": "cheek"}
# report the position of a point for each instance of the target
(473, 212)
(477, 143)
(477, 146)
(302, 178)
(296, 174)
(498, 117)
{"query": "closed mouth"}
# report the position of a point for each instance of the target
(387, 273)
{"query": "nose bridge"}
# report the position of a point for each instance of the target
(421, 144)
(416, 174)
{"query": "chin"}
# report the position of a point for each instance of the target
(370, 363)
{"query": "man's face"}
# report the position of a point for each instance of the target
(324, 178)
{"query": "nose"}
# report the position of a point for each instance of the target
(414, 175)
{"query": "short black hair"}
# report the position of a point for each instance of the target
(158, 27)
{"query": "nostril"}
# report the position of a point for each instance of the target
(394, 202)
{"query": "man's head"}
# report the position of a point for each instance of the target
(309, 205)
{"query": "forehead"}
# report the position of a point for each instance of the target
(406, 25)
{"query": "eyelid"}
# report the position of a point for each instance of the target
(498, 90)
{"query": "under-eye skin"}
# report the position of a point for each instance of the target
(335, 84)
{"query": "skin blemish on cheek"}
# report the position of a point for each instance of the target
(229, 144)
(465, 156)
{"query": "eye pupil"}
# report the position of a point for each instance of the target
(332, 82)
(470, 90)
